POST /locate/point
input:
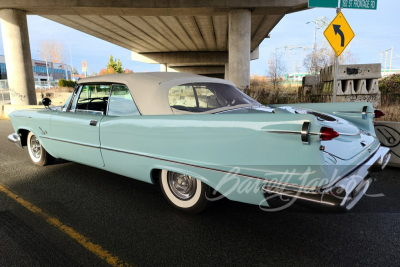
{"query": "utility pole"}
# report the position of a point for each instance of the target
(391, 59)
(47, 69)
(386, 55)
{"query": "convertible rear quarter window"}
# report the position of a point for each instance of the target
(121, 102)
(203, 97)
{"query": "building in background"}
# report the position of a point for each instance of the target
(390, 72)
(57, 71)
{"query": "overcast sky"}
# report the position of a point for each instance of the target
(375, 31)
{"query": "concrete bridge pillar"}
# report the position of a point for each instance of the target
(163, 67)
(17, 54)
(239, 47)
(227, 71)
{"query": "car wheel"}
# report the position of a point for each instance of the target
(38, 154)
(184, 192)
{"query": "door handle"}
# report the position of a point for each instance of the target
(93, 123)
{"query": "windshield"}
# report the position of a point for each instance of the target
(202, 97)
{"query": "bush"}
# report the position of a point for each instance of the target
(65, 83)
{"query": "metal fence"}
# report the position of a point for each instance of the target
(5, 95)
(45, 84)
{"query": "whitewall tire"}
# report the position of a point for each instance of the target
(37, 153)
(184, 192)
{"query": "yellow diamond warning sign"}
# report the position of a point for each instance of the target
(339, 34)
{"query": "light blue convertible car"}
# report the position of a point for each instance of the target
(202, 139)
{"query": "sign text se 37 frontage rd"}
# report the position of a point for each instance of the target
(359, 4)
(356, 4)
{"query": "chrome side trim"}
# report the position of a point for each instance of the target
(345, 134)
(283, 132)
(181, 163)
(16, 139)
(211, 169)
(305, 130)
(69, 142)
(289, 132)
(20, 116)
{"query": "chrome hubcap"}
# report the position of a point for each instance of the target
(35, 147)
(182, 186)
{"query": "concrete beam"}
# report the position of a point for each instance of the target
(173, 23)
(110, 24)
(221, 32)
(150, 7)
(165, 31)
(263, 30)
(206, 26)
(187, 58)
(140, 23)
(201, 70)
(18, 58)
(192, 29)
(182, 58)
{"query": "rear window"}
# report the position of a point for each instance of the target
(202, 97)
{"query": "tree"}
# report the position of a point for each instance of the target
(53, 51)
(117, 66)
(109, 70)
(324, 56)
(276, 69)
(74, 71)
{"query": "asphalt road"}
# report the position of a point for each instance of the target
(131, 220)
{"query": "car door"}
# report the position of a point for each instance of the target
(76, 130)
(118, 132)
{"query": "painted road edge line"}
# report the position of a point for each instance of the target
(84, 241)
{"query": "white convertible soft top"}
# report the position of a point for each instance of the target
(150, 90)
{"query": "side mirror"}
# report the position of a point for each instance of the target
(46, 101)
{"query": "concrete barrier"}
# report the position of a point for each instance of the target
(356, 83)
(57, 99)
(389, 134)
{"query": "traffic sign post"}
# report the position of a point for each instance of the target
(339, 35)
(84, 67)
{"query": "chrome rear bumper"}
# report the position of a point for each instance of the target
(16, 139)
(346, 192)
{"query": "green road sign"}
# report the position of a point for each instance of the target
(359, 4)
(323, 3)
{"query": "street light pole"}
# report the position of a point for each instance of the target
(47, 69)
(72, 67)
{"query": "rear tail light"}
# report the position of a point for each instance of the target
(379, 113)
(328, 134)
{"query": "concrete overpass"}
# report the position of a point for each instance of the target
(208, 37)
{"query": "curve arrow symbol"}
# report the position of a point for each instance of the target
(337, 30)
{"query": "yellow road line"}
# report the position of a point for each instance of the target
(84, 241)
